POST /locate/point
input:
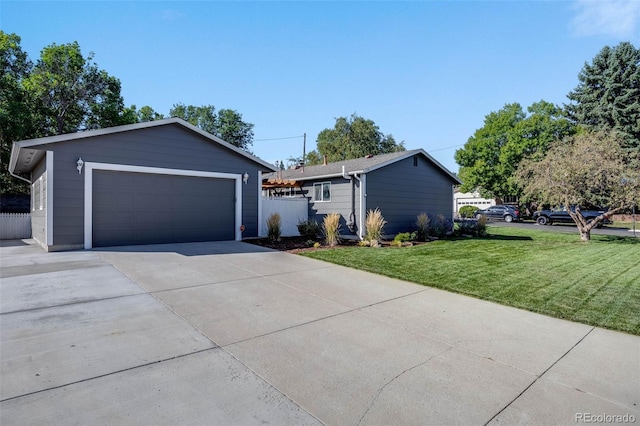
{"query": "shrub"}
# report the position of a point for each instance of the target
(422, 225)
(481, 227)
(477, 228)
(467, 211)
(274, 228)
(331, 229)
(395, 243)
(309, 228)
(403, 237)
(374, 224)
(316, 245)
(310, 243)
(439, 226)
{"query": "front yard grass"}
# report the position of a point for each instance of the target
(596, 283)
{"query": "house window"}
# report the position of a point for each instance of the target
(415, 161)
(322, 191)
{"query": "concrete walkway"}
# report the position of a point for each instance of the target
(230, 333)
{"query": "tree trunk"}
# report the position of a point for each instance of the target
(585, 234)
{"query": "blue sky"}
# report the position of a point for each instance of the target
(426, 72)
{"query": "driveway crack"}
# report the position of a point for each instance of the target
(375, 398)
(539, 377)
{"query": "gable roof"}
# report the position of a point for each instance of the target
(24, 156)
(355, 166)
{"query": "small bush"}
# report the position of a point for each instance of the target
(395, 243)
(274, 227)
(308, 228)
(331, 229)
(364, 243)
(316, 245)
(403, 237)
(476, 228)
(422, 225)
(467, 211)
(481, 227)
(439, 226)
(310, 243)
(374, 224)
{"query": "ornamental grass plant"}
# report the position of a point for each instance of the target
(374, 224)
(331, 229)
(274, 227)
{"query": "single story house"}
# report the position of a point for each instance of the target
(163, 181)
(401, 184)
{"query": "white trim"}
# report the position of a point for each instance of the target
(49, 222)
(238, 233)
(89, 167)
(259, 203)
(33, 196)
(40, 180)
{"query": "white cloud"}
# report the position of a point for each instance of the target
(616, 18)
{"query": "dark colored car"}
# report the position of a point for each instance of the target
(560, 215)
(499, 212)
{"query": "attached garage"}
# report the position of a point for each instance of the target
(149, 183)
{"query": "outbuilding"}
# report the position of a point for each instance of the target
(163, 181)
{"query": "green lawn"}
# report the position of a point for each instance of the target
(555, 274)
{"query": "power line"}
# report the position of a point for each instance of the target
(445, 148)
(278, 139)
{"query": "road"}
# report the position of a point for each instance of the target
(569, 228)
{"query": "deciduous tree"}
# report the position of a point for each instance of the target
(491, 156)
(352, 137)
(226, 124)
(16, 107)
(72, 93)
(587, 170)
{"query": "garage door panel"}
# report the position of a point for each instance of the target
(143, 208)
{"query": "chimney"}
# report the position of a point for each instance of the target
(324, 160)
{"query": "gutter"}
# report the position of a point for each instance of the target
(19, 177)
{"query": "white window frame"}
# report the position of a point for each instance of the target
(321, 184)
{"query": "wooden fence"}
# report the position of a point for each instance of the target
(15, 226)
(292, 211)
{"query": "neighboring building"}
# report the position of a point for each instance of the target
(471, 199)
(163, 181)
(401, 184)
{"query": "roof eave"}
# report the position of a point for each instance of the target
(129, 127)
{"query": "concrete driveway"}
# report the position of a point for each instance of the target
(231, 333)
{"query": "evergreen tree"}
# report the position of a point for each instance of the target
(608, 95)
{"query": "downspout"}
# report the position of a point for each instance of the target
(351, 223)
(363, 182)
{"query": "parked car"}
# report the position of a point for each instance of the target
(499, 212)
(561, 215)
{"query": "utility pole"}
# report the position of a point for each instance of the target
(304, 149)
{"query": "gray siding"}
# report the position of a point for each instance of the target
(38, 210)
(168, 146)
(402, 191)
(344, 195)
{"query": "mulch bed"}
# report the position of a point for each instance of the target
(300, 245)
